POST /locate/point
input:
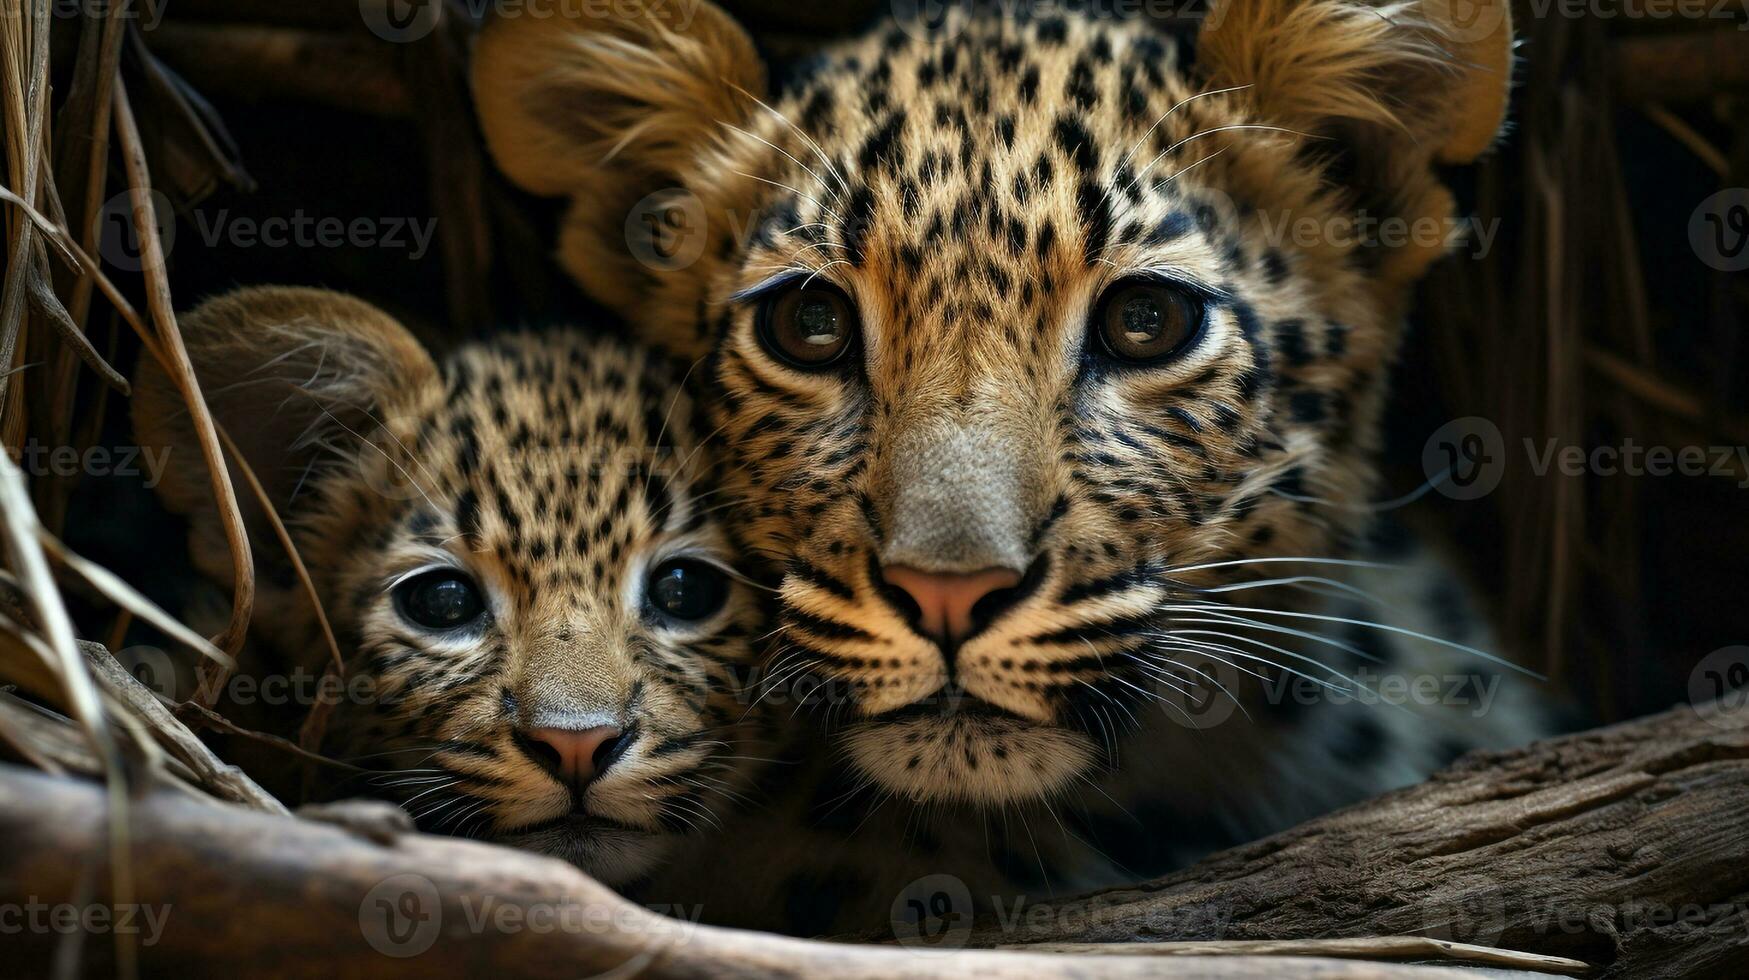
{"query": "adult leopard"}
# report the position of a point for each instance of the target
(1049, 369)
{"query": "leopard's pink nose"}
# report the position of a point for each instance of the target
(950, 606)
(574, 756)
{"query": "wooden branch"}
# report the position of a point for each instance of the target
(229, 888)
(1626, 848)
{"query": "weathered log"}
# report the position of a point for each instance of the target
(220, 888)
(1627, 848)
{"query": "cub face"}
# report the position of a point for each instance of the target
(1003, 334)
(537, 613)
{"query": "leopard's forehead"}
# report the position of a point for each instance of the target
(553, 453)
(1002, 170)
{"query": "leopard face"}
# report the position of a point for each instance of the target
(539, 620)
(1003, 339)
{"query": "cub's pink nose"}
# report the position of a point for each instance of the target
(573, 756)
(948, 602)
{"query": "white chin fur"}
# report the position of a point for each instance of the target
(968, 758)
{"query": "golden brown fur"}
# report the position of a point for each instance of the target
(551, 472)
(973, 189)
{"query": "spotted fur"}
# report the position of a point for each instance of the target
(553, 470)
(974, 186)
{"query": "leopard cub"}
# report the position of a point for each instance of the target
(541, 630)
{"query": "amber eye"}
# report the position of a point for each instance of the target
(1146, 322)
(808, 328)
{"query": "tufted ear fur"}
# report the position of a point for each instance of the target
(293, 376)
(1396, 87)
(605, 107)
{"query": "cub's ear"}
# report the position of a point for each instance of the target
(297, 378)
(605, 107)
(1397, 86)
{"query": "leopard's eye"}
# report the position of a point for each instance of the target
(1145, 322)
(439, 600)
(687, 589)
(808, 328)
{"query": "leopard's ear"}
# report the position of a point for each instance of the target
(607, 106)
(297, 378)
(1396, 87)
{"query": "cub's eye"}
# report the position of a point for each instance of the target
(687, 589)
(440, 600)
(808, 328)
(1145, 322)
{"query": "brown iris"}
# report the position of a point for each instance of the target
(1144, 322)
(808, 327)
